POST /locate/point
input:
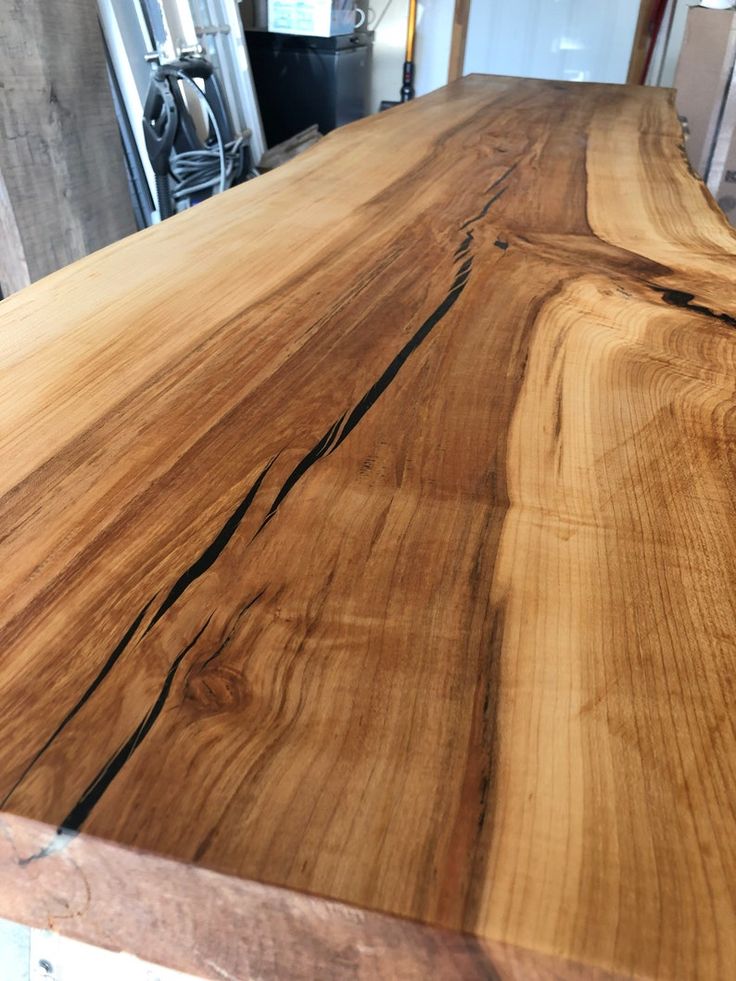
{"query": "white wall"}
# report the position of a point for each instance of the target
(388, 51)
(434, 29)
(578, 40)
(581, 40)
(669, 43)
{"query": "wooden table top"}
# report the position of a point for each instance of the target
(369, 532)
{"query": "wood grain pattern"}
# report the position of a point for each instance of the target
(218, 926)
(369, 532)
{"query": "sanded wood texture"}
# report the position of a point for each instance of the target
(368, 531)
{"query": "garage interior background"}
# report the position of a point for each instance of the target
(75, 170)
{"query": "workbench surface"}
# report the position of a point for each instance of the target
(368, 531)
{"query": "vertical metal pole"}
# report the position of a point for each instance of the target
(407, 89)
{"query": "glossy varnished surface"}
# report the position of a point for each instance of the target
(369, 531)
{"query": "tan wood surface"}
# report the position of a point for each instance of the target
(369, 532)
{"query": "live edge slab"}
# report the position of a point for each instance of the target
(368, 560)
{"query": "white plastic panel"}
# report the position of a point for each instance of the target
(127, 41)
(575, 40)
(434, 28)
(669, 43)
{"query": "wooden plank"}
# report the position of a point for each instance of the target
(642, 40)
(217, 926)
(63, 189)
(458, 40)
(394, 564)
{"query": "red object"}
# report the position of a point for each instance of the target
(655, 25)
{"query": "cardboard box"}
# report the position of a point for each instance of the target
(702, 78)
(318, 18)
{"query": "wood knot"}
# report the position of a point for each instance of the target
(217, 689)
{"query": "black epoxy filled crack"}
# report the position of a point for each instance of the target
(338, 431)
(316, 453)
(90, 690)
(328, 443)
(486, 207)
(464, 246)
(212, 552)
(91, 796)
(679, 298)
(231, 633)
(203, 562)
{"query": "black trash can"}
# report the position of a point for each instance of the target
(301, 80)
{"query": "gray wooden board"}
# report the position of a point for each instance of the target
(61, 158)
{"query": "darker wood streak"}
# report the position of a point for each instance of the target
(464, 246)
(484, 210)
(319, 450)
(94, 792)
(213, 551)
(328, 443)
(90, 690)
(492, 200)
(679, 298)
(474, 823)
(423, 332)
(203, 562)
(231, 633)
(504, 175)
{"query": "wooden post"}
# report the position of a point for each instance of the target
(459, 37)
(642, 40)
(63, 188)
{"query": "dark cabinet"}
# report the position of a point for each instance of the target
(301, 81)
